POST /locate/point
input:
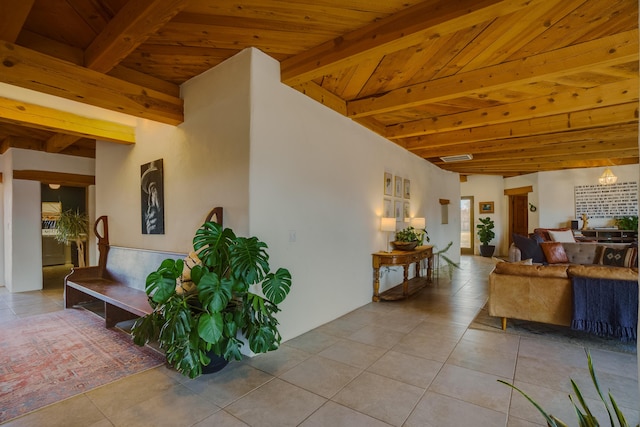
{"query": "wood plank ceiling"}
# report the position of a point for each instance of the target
(521, 85)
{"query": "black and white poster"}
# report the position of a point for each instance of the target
(152, 197)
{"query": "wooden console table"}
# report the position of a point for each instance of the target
(408, 286)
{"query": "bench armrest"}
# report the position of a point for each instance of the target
(79, 273)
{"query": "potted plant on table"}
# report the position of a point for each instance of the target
(201, 305)
(486, 235)
(407, 239)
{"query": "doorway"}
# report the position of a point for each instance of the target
(466, 225)
(518, 215)
(58, 258)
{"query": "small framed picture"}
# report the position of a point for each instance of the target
(486, 207)
(405, 210)
(388, 184)
(387, 209)
(407, 189)
(397, 210)
(398, 184)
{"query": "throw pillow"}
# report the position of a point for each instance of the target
(529, 248)
(619, 257)
(562, 236)
(554, 252)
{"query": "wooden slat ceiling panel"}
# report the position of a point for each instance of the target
(522, 85)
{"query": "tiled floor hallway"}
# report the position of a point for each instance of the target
(405, 363)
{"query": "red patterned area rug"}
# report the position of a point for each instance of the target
(54, 356)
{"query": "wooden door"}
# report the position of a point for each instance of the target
(518, 215)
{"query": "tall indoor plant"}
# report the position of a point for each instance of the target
(222, 294)
(486, 235)
(73, 227)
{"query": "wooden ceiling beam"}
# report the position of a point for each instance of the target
(581, 151)
(565, 102)
(409, 27)
(33, 70)
(48, 177)
(597, 117)
(617, 49)
(21, 142)
(13, 14)
(60, 141)
(323, 96)
(39, 117)
(610, 134)
(522, 167)
(134, 23)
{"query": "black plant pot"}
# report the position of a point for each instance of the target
(217, 364)
(487, 250)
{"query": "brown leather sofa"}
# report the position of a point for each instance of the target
(543, 293)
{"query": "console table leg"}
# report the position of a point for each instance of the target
(376, 285)
(405, 283)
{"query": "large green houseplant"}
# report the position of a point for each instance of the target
(223, 294)
(73, 226)
(486, 235)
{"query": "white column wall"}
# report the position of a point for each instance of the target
(317, 195)
(205, 160)
(26, 238)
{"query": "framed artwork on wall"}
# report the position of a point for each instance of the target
(398, 211)
(405, 210)
(388, 184)
(387, 209)
(398, 184)
(152, 197)
(407, 189)
(486, 207)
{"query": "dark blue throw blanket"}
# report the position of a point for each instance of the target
(605, 307)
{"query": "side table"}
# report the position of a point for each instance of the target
(408, 286)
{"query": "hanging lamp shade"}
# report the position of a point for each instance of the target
(607, 177)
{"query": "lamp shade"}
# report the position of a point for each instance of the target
(418, 223)
(607, 177)
(387, 224)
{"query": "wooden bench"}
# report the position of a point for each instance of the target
(119, 278)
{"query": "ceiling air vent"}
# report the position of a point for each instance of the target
(458, 158)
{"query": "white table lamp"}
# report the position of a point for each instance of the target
(388, 225)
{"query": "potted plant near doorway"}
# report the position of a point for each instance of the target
(486, 235)
(73, 227)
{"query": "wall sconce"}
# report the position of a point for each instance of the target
(54, 186)
(387, 225)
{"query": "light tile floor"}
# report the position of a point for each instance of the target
(404, 363)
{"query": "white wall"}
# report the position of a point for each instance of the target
(206, 164)
(22, 247)
(319, 175)
(26, 238)
(552, 195)
(559, 204)
(488, 188)
(280, 164)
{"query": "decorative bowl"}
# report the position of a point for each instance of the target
(404, 246)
